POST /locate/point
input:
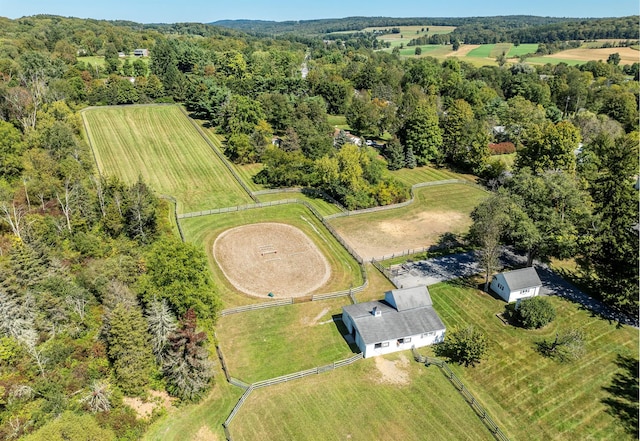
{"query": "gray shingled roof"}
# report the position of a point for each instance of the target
(409, 298)
(522, 278)
(392, 324)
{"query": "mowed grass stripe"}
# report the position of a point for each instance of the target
(531, 396)
(354, 402)
(424, 174)
(160, 144)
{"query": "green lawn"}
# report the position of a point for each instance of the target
(339, 121)
(357, 402)
(484, 51)
(425, 174)
(545, 60)
(286, 339)
(203, 231)
(429, 50)
(99, 60)
(508, 160)
(532, 397)
(523, 49)
(323, 207)
(160, 144)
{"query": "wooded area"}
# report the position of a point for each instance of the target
(99, 301)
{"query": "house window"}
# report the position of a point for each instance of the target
(377, 346)
(384, 344)
(403, 340)
(428, 334)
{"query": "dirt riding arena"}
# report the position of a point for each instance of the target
(276, 258)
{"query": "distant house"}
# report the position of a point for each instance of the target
(517, 284)
(405, 318)
(141, 52)
(348, 137)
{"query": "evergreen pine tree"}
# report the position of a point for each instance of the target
(187, 366)
(409, 158)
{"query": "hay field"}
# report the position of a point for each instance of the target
(627, 55)
(160, 144)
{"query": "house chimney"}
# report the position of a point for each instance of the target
(376, 312)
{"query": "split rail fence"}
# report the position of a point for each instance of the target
(479, 410)
(282, 379)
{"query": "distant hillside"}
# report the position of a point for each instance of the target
(469, 29)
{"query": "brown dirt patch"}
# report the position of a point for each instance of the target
(144, 409)
(386, 237)
(627, 54)
(270, 257)
(463, 50)
(205, 434)
(393, 372)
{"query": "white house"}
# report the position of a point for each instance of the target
(141, 52)
(405, 318)
(517, 284)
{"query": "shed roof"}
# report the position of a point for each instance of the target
(522, 278)
(409, 298)
(393, 323)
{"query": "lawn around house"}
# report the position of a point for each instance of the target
(160, 144)
(532, 397)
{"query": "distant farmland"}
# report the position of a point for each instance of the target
(160, 144)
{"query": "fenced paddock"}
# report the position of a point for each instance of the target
(359, 401)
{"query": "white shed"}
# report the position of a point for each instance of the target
(405, 318)
(517, 284)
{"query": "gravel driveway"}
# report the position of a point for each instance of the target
(440, 269)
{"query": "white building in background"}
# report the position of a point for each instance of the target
(517, 284)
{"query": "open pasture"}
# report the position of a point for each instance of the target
(436, 210)
(522, 49)
(412, 176)
(161, 145)
(268, 343)
(382, 398)
(533, 397)
(204, 230)
(584, 54)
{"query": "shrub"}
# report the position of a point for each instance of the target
(464, 346)
(502, 148)
(535, 312)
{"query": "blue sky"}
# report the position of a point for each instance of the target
(172, 11)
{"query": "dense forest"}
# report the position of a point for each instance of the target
(98, 301)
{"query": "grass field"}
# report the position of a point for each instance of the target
(284, 340)
(481, 52)
(360, 402)
(324, 208)
(522, 49)
(160, 144)
(99, 60)
(533, 397)
(425, 174)
(204, 230)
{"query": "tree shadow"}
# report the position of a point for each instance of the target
(623, 402)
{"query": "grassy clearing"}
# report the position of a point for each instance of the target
(508, 160)
(204, 230)
(191, 421)
(425, 174)
(548, 60)
(429, 50)
(339, 121)
(324, 208)
(499, 49)
(99, 60)
(523, 49)
(530, 396)
(484, 51)
(160, 144)
(267, 343)
(356, 403)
